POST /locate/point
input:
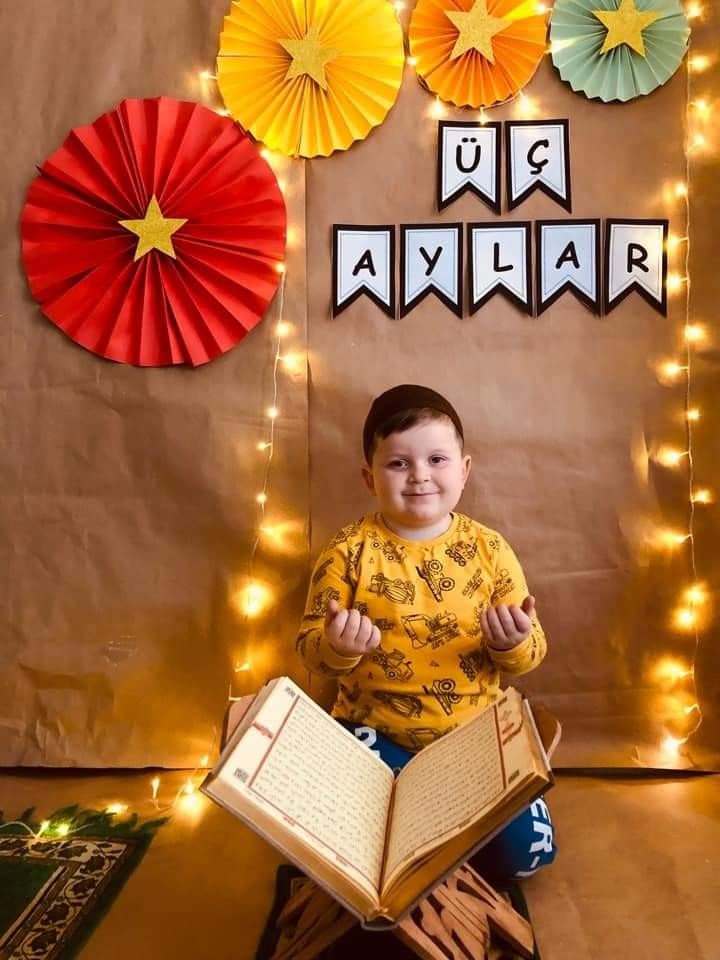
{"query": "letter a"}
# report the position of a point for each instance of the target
(365, 263)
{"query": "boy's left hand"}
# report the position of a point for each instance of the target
(504, 627)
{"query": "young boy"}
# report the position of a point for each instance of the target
(417, 609)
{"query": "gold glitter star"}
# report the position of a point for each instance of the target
(154, 231)
(625, 25)
(477, 28)
(309, 56)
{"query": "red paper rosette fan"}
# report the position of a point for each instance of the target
(154, 236)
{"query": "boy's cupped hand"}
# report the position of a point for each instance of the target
(348, 632)
(504, 627)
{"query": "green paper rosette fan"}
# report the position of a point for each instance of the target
(617, 49)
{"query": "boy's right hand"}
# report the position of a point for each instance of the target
(348, 632)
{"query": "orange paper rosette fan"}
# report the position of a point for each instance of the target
(477, 52)
(307, 77)
(153, 236)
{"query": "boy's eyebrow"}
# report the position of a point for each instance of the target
(401, 453)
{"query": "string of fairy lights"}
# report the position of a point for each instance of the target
(688, 615)
(254, 597)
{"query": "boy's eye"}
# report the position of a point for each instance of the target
(396, 463)
(437, 459)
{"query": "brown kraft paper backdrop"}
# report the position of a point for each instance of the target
(128, 495)
(558, 409)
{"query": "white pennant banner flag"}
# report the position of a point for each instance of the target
(431, 262)
(468, 160)
(568, 258)
(636, 259)
(538, 158)
(500, 262)
(363, 265)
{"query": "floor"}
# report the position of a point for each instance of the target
(637, 876)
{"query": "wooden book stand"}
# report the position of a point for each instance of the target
(460, 919)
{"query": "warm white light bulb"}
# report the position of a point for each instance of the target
(671, 369)
(669, 457)
(681, 189)
(699, 63)
(116, 808)
(701, 496)
(693, 414)
(155, 784)
(694, 332)
(273, 412)
(685, 618)
(695, 595)
(437, 110)
(62, 829)
(671, 745)
(675, 281)
(263, 445)
(207, 75)
(261, 498)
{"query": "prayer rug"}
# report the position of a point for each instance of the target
(55, 889)
(359, 944)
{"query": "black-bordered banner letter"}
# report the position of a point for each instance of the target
(363, 264)
(568, 258)
(468, 161)
(500, 262)
(537, 156)
(636, 259)
(430, 262)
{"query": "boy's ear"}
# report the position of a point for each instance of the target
(467, 467)
(367, 476)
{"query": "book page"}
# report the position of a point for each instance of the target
(311, 775)
(451, 783)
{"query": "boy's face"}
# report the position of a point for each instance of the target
(418, 475)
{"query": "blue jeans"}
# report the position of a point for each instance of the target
(519, 850)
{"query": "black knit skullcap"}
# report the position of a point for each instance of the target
(407, 396)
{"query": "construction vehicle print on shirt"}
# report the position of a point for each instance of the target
(421, 737)
(475, 629)
(435, 631)
(444, 693)
(351, 566)
(503, 586)
(394, 664)
(384, 625)
(321, 600)
(393, 552)
(471, 663)
(399, 591)
(431, 572)
(461, 552)
(352, 696)
(403, 703)
(343, 535)
(473, 584)
(322, 570)
(312, 634)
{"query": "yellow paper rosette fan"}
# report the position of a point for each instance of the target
(308, 77)
(477, 52)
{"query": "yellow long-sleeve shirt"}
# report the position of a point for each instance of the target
(433, 669)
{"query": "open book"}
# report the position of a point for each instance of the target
(377, 844)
